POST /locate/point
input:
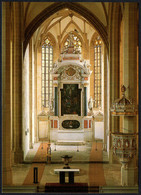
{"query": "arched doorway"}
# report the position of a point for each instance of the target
(55, 30)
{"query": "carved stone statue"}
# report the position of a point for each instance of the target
(90, 103)
(85, 64)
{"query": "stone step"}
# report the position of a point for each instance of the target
(70, 142)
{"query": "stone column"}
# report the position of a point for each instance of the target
(30, 94)
(129, 174)
(105, 97)
(33, 65)
(114, 69)
(114, 64)
(130, 60)
(6, 107)
(18, 51)
(12, 81)
(35, 97)
(25, 102)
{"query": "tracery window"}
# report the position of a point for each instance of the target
(73, 40)
(47, 63)
(97, 71)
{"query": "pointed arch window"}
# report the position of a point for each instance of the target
(47, 63)
(97, 71)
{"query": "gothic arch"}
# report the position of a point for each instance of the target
(71, 22)
(50, 37)
(43, 36)
(93, 38)
(92, 48)
(38, 20)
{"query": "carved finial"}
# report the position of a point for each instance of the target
(123, 88)
(43, 107)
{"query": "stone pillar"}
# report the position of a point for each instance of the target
(130, 60)
(18, 51)
(25, 102)
(105, 97)
(30, 94)
(35, 97)
(129, 173)
(114, 69)
(33, 65)
(6, 107)
(12, 81)
(114, 64)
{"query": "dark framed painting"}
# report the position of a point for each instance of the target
(70, 99)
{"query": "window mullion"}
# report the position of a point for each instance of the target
(45, 77)
(48, 75)
(97, 73)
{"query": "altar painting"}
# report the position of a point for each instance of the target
(70, 99)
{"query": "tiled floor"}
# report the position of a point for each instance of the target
(81, 156)
(111, 172)
(79, 153)
(19, 173)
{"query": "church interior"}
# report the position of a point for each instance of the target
(70, 93)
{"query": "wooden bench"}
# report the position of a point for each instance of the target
(67, 187)
(70, 173)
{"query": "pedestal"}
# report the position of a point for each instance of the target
(128, 176)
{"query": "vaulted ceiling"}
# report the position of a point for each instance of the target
(65, 18)
(33, 9)
(63, 22)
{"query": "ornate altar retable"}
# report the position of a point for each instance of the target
(69, 122)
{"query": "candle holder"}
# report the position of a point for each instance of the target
(66, 159)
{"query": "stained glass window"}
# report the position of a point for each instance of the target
(97, 72)
(73, 40)
(47, 61)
